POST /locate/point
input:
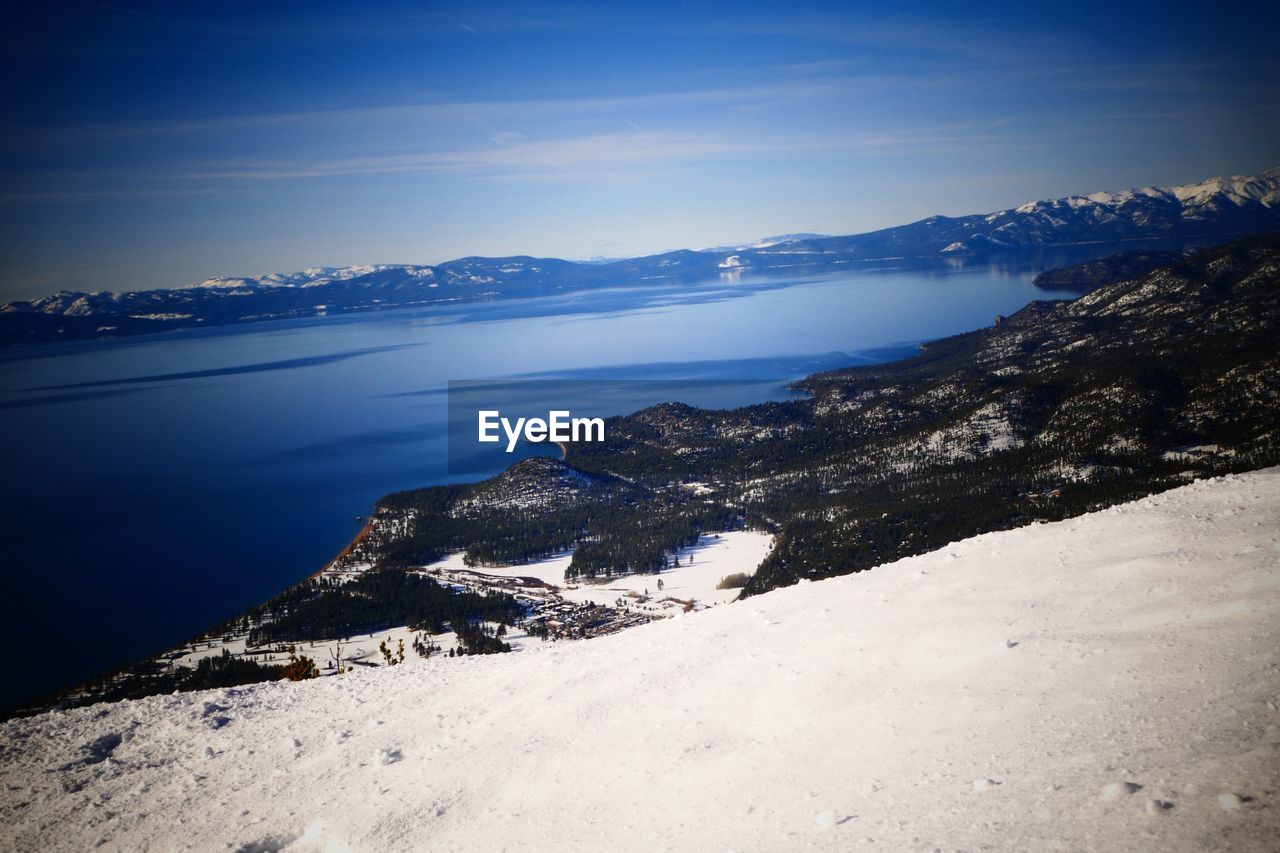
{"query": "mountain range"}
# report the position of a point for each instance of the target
(1214, 208)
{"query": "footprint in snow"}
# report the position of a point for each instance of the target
(1232, 802)
(1115, 790)
(826, 821)
(213, 716)
(270, 844)
(99, 749)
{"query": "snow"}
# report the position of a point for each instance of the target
(1239, 190)
(715, 556)
(988, 429)
(309, 277)
(1113, 791)
(359, 649)
(162, 315)
(224, 281)
(880, 711)
(1230, 802)
(1196, 453)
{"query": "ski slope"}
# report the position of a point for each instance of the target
(1105, 683)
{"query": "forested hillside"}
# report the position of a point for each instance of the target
(1064, 407)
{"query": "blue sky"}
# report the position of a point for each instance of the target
(148, 144)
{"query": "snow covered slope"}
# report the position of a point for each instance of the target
(1105, 683)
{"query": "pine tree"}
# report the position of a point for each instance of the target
(299, 667)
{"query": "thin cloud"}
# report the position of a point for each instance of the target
(511, 156)
(441, 111)
(550, 155)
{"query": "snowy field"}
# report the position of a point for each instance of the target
(357, 650)
(715, 556)
(1105, 683)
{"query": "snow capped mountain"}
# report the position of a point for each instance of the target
(1103, 683)
(226, 281)
(1204, 202)
(1239, 190)
(311, 275)
(1214, 207)
(1217, 207)
(66, 303)
(767, 242)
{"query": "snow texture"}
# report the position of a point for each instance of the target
(1104, 683)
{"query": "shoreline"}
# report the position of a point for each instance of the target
(364, 531)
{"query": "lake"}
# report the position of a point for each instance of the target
(157, 485)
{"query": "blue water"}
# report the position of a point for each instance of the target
(154, 486)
